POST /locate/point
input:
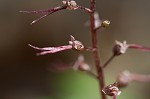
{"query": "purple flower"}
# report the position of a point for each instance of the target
(73, 44)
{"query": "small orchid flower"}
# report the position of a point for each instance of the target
(80, 64)
(67, 4)
(98, 22)
(121, 48)
(73, 44)
(112, 90)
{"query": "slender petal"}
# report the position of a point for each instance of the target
(135, 46)
(46, 12)
(49, 50)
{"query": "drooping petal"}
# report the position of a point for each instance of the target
(140, 47)
(49, 50)
(45, 12)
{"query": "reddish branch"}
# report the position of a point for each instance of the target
(95, 52)
(108, 61)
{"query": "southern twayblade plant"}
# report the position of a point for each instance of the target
(95, 24)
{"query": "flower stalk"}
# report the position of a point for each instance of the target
(99, 68)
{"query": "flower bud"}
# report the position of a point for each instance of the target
(120, 48)
(124, 79)
(105, 23)
(112, 90)
(81, 65)
(71, 5)
(84, 67)
(77, 45)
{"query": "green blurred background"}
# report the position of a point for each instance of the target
(26, 76)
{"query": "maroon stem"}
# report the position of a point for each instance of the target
(114, 97)
(108, 61)
(95, 52)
